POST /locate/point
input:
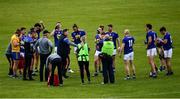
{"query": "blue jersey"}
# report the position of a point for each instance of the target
(76, 36)
(38, 33)
(113, 36)
(97, 37)
(99, 45)
(128, 44)
(21, 47)
(57, 33)
(168, 45)
(153, 36)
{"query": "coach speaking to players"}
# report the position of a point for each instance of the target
(63, 49)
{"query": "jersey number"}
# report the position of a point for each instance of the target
(130, 43)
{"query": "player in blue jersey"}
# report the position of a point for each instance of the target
(115, 38)
(76, 35)
(56, 34)
(167, 46)
(98, 39)
(127, 47)
(160, 52)
(151, 39)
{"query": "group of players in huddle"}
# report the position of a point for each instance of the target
(25, 56)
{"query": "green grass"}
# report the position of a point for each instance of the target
(88, 14)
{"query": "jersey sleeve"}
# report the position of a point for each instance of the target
(116, 36)
(124, 40)
(83, 33)
(133, 40)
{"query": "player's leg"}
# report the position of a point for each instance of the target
(132, 65)
(153, 67)
(161, 57)
(68, 65)
(99, 64)
(168, 57)
(126, 63)
(96, 62)
(16, 57)
(36, 61)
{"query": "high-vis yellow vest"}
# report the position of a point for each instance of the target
(83, 54)
(108, 48)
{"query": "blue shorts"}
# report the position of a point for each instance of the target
(15, 55)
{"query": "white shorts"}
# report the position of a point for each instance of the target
(75, 48)
(114, 52)
(168, 53)
(55, 49)
(152, 52)
(129, 56)
(97, 53)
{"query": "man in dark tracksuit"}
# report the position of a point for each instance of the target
(107, 61)
(10, 60)
(52, 61)
(45, 49)
(63, 49)
(29, 50)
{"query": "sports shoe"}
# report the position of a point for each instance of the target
(34, 74)
(102, 83)
(150, 74)
(36, 70)
(154, 75)
(70, 71)
(161, 68)
(169, 73)
(15, 76)
(60, 85)
(133, 77)
(95, 74)
(65, 76)
(127, 78)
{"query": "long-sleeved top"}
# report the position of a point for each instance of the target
(8, 50)
(63, 48)
(51, 58)
(45, 45)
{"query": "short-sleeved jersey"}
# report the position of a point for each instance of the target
(128, 44)
(57, 33)
(15, 48)
(97, 38)
(99, 45)
(168, 45)
(113, 36)
(38, 33)
(76, 36)
(153, 35)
